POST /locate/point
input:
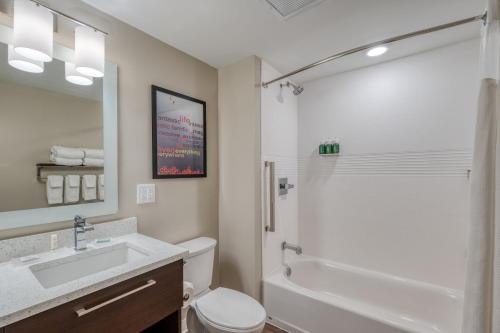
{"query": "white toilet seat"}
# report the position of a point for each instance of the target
(207, 323)
(228, 310)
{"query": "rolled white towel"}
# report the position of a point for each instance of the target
(93, 153)
(95, 162)
(66, 161)
(67, 152)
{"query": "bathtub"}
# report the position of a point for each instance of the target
(328, 297)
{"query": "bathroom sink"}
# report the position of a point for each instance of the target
(91, 261)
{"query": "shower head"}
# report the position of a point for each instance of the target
(297, 89)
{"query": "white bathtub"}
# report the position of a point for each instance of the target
(328, 297)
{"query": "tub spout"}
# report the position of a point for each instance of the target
(288, 270)
(289, 246)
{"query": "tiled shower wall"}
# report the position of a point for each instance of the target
(396, 199)
(278, 144)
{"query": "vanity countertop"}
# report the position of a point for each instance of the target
(22, 295)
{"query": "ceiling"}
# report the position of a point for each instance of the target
(221, 32)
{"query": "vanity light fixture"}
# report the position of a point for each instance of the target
(89, 51)
(33, 31)
(377, 51)
(73, 76)
(33, 40)
(22, 63)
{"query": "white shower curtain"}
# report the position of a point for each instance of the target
(482, 289)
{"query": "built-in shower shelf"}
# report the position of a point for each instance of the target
(329, 155)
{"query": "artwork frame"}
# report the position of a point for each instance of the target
(168, 140)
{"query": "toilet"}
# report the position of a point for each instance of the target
(221, 310)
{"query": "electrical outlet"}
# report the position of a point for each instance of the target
(146, 193)
(53, 242)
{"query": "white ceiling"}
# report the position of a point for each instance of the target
(220, 32)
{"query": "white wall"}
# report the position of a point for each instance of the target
(279, 144)
(396, 200)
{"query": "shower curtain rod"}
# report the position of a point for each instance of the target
(381, 42)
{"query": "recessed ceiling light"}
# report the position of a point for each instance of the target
(377, 51)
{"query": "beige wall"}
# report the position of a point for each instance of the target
(239, 189)
(31, 121)
(184, 208)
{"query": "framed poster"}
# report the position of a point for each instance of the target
(179, 135)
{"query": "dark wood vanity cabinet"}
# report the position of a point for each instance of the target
(150, 302)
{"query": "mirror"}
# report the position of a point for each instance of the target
(58, 143)
(39, 112)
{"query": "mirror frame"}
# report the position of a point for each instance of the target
(39, 216)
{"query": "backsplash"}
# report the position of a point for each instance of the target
(28, 245)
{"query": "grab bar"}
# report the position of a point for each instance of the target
(272, 226)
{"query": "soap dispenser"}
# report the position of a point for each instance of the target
(322, 147)
(336, 146)
(329, 146)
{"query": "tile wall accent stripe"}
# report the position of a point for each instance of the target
(416, 163)
(424, 163)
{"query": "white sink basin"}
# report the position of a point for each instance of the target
(88, 262)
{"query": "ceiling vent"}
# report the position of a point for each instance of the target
(288, 8)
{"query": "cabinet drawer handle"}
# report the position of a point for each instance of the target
(83, 311)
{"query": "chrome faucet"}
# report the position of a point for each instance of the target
(80, 227)
(289, 246)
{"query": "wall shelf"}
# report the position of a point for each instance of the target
(53, 166)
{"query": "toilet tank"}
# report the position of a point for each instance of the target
(199, 263)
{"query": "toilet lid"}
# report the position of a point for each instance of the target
(231, 309)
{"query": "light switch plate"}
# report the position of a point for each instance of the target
(146, 193)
